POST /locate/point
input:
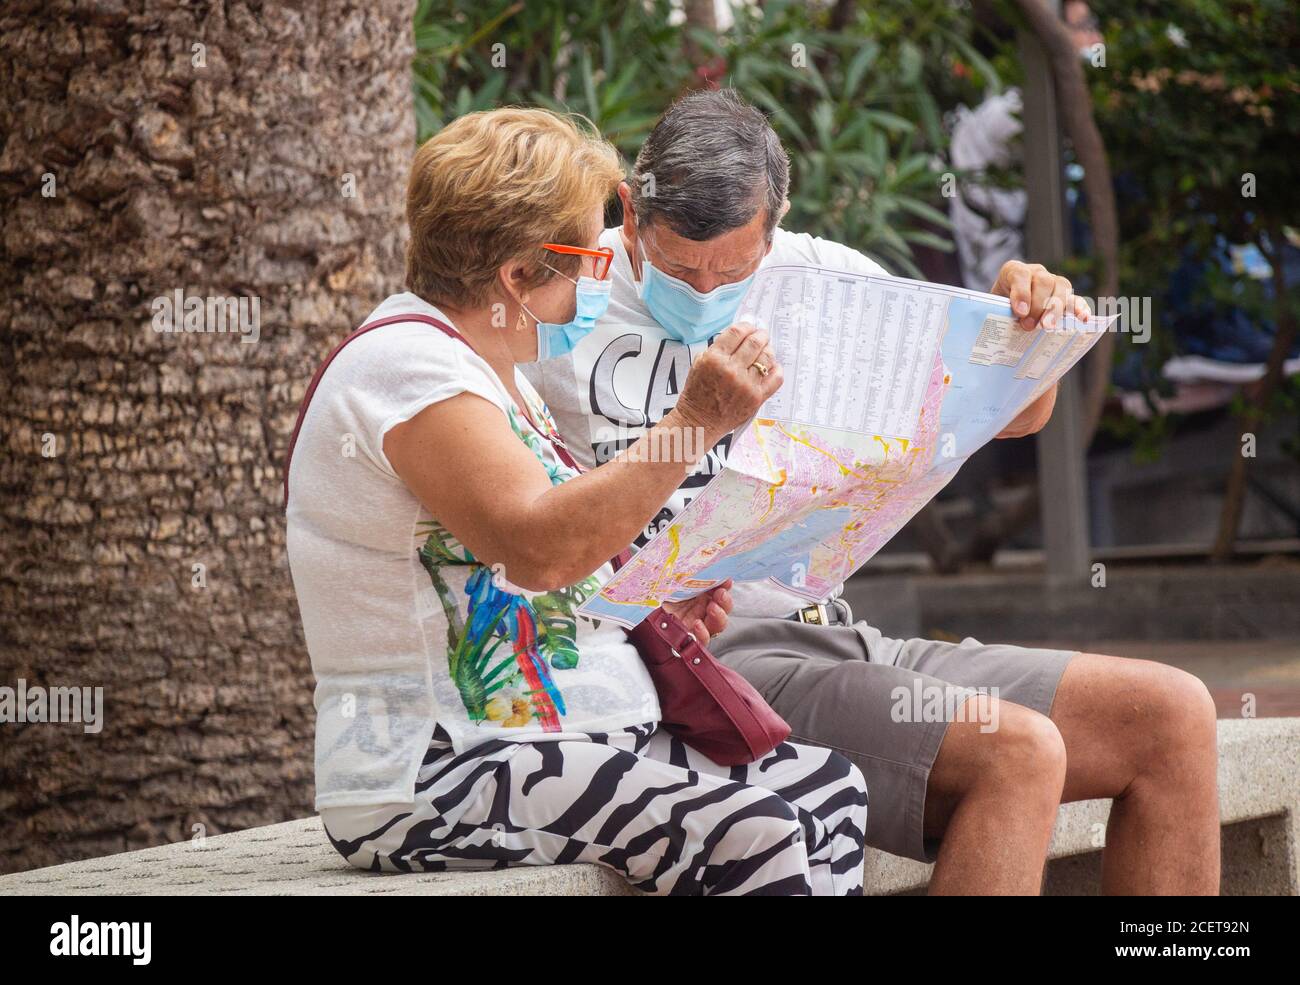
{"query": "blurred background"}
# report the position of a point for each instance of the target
(1145, 149)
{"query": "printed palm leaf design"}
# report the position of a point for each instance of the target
(507, 644)
(547, 702)
(441, 548)
(494, 618)
(555, 471)
(497, 616)
(558, 626)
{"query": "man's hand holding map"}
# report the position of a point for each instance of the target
(890, 385)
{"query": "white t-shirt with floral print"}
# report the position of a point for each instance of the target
(404, 627)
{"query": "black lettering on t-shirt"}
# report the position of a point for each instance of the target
(604, 401)
(672, 363)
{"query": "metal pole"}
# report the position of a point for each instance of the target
(1062, 479)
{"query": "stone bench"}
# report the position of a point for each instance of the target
(1259, 791)
(1259, 809)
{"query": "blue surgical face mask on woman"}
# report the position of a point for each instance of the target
(592, 300)
(682, 311)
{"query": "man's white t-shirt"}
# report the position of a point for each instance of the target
(404, 627)
(626, 374)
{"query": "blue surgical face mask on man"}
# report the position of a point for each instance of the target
(682, 311)
(592, 300)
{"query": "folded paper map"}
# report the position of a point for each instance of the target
(890, 385)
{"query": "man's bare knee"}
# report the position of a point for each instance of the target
(1180, 734)
(1029, 747)
(999, 742)
(1184, 707)
(1018, 765)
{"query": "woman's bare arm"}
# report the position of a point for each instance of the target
(461, 459)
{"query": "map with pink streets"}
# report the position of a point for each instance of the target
(804, 500)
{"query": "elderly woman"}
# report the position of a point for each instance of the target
(441, 540)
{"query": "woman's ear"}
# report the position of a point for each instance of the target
(514, 278)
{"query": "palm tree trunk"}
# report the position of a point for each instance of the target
(245, 150)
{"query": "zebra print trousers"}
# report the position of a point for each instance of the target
(638, 801)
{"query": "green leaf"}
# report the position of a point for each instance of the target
(923, 210)
(862, 61)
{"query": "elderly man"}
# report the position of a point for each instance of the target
(701, 216)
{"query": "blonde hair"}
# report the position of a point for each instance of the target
(494, 186)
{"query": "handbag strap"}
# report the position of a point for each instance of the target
(560, 450)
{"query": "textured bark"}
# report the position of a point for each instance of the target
(223, 179)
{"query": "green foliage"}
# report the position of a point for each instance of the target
(859, 109)
(856, 114)
(1199, 106)
(1200, 110)
(617, 64)
(1199, 97)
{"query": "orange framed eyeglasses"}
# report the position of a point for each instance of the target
(601, 257)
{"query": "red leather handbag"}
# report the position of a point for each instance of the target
(705, 704)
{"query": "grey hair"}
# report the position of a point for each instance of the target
(710, 163)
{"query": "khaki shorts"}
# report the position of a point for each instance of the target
(884, 703)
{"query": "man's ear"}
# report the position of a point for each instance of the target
(629, 213)
(629, 228)
(771, 240)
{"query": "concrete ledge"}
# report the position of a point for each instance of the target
(1259, 790)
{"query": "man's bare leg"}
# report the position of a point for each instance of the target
(1144, 733)
(992, 798)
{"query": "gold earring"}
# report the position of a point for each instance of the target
(521, 323)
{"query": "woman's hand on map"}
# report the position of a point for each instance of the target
(705, 615)
(728, 382)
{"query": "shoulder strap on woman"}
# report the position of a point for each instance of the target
(315, 380)
(560, 449)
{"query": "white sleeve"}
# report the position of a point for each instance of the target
(788, 247)
(400, 372)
